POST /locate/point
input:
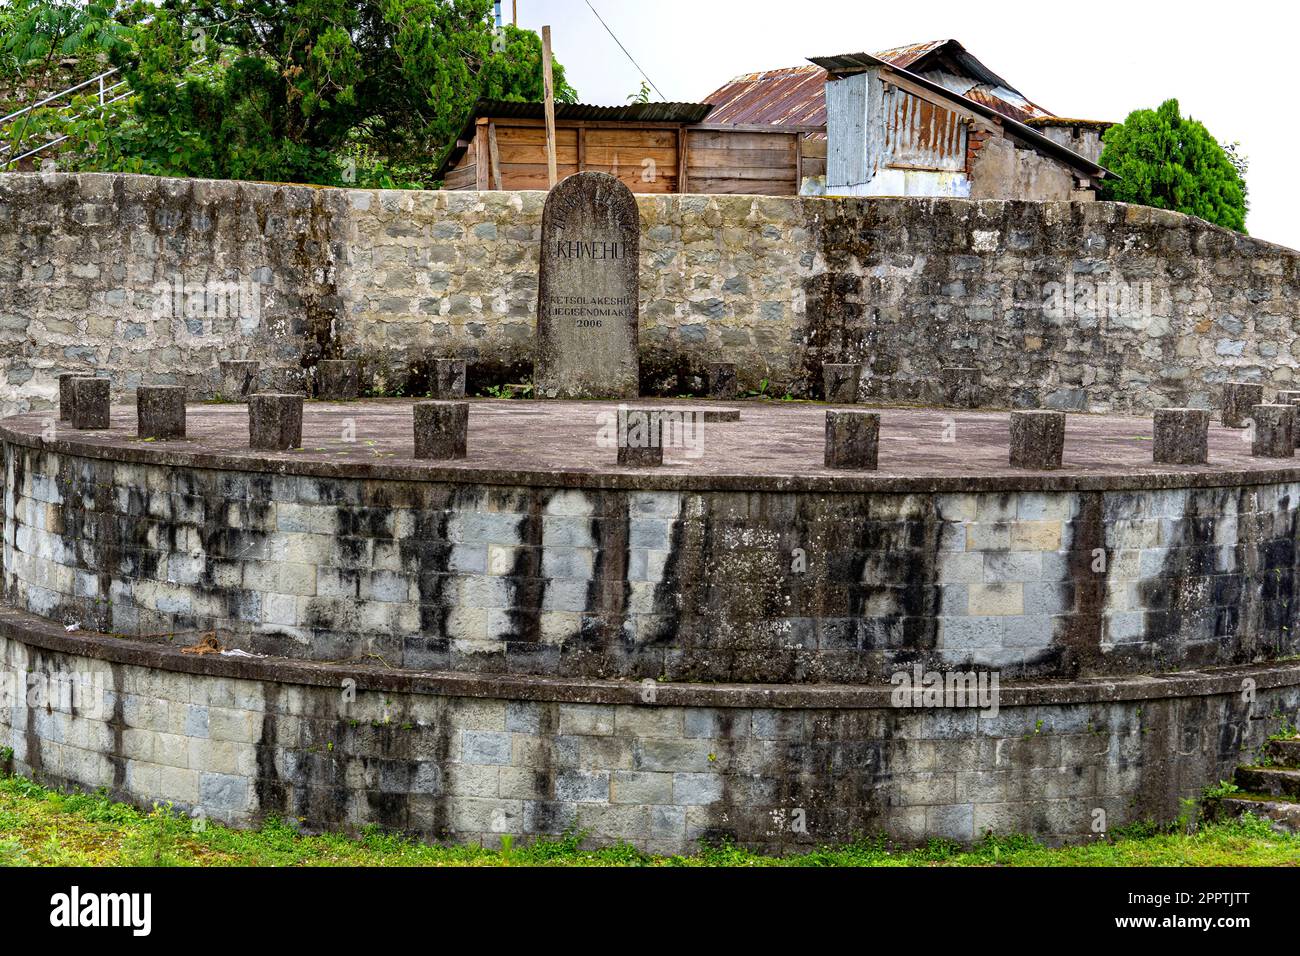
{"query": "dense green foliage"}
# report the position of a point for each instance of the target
(317, 91)
(1170, 162)
(47, 46)
(8, 62)
(33, 33)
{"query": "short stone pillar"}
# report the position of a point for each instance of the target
(282, 380)
(1181, 436)
(441, 430)
(65, 394)
(690, 383)
(1274, 431)
(960, 385)
(274, 421)
(447, 379)
(840, 383)
(1291, 397)
(1037, 440)
(722, 380)
(238, 379)
(90, 402)
(160, 411)
(1238, 399)
(852, 440)
(338, 379)
(640, 437)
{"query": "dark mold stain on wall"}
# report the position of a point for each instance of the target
(528, 586)
(1077, 645)
(712, 586)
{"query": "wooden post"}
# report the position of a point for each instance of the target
(482, 167)
(798, 163)
(682, 160)
(549, 83)
(514, 7)
(495, 156)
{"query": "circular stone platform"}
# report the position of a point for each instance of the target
(649, 654)
(742, 558)
(774, 446)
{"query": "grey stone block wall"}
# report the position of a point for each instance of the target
(154, 281)
(661, 777)
(1097, 306)
(779, 587)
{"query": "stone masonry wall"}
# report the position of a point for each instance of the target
(472, 769)
(1085, 306)
(695, 586)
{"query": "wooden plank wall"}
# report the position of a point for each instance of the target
(465, 173)
(812, 158)
(742, 161)
(645, 157)
(523, 154)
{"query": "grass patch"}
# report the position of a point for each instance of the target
(43, 827)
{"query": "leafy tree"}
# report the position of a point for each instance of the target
(1240, 161)
(513, 70)
(8, 24)
(37, 32)
(318, 91)
(1170, 162)
(40, 43)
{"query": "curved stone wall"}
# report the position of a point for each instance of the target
(469, 759)
(1092, 306)
(654, 576)
(529, 641)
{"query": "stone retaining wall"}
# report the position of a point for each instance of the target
(239, 740)
(1084, 306)
(686, 585)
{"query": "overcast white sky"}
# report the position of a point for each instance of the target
(1233, 66)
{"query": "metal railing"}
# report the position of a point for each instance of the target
(103, 93)
(107, 94)
(48, 144)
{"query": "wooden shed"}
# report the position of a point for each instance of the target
(652, 147)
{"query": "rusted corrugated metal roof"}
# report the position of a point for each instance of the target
(1016, 107)
(795, 96)
(905, 56)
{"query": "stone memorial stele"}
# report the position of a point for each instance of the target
(587, 297)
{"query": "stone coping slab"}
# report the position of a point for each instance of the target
(774, 447)
(39, 633)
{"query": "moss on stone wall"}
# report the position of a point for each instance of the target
(1089, 306)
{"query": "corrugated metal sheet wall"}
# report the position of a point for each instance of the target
(920, 134)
